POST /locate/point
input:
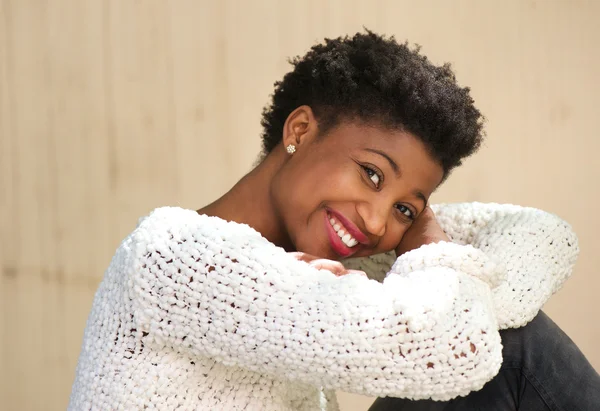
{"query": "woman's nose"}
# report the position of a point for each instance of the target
(373, 217)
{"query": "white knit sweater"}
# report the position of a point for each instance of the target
(198, 313)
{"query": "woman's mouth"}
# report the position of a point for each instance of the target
(346, 238)
(342, 241)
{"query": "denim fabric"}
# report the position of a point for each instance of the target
(543, 370)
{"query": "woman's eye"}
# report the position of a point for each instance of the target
(406, 211)
(373, 176)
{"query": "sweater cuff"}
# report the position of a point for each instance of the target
(461, 258)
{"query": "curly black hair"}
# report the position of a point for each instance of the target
(380, 82)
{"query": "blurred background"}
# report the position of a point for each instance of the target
(109, 109)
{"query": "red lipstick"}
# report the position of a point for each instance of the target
(349, 227)
(335, 241)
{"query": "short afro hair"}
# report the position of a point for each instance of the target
(377, 81)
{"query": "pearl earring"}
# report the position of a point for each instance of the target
(291, 149)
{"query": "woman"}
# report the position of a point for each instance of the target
(243, 305)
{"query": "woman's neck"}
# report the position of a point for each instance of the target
(249, 202)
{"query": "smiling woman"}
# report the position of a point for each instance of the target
(244, 305)
(371, 181)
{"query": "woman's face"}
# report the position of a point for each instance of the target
(353, 192)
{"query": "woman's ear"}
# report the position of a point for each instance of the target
(300, 127)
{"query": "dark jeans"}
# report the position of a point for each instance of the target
(543, 370)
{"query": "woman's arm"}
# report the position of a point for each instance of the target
(537, 248)
(220, 290)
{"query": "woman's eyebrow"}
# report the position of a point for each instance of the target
(420, 196)
(393, 164)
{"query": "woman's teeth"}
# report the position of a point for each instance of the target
(344, 236)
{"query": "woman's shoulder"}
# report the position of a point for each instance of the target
(182, 223)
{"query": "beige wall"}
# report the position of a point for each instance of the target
(111, 108)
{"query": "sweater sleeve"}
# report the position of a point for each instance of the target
(218, 289)
(538, 250)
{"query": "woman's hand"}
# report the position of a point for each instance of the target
(323, 264)
(424, 230)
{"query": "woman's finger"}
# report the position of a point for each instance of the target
(357, 272)
(307, 258)
(334, 266)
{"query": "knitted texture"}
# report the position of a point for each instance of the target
(535, 249)
(198, 313)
